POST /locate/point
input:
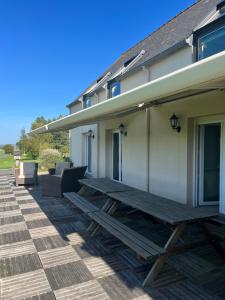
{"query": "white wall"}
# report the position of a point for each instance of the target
(169, 149)
(76, 107)
(134, 149)
(77, 146)
(134, 80)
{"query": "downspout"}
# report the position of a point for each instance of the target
(148, 147)
(98, 149)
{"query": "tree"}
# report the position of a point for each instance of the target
(23, 142)
(8, 148)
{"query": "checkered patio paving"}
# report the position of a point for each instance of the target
(45, 253)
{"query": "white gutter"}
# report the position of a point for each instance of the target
(199, 75)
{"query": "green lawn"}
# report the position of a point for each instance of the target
(7, 162)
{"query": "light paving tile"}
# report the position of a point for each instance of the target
(16, 249)
(13, 227)
(10, 213)
(104, 266)
(58, 256)
(5, 198)
(45, 296)
(8, 203)
(25, 197)
(36, 216)
(37, 233)
(25, 285)
(75, 238)
(88, 290)
(21, 192)
(28, 205)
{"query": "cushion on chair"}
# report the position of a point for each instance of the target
(27, 169)
(60, 166)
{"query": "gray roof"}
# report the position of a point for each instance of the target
(169, 36)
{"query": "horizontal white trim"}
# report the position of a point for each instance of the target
(197, 75)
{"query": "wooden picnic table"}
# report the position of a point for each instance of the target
(165, 210)
(105, 185)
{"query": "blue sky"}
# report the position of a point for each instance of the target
(52, 49)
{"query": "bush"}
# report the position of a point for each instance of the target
(48, 158)
(8, 148)
(2, 152)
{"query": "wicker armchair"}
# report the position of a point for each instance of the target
(27, 173)
(56, 185)
(59, 167)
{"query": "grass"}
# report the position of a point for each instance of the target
(7, 162)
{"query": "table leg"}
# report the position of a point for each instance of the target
(170, 245)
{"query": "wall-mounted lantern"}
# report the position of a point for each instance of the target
(91, 134)
(174, 123)
(122, 129)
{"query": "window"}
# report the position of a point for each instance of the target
(87, 102)
(114, 89)
(88, 152)
(210, 39)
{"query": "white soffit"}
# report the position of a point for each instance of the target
(207, 74)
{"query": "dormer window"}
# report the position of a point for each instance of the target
(87, 102)
(210, 39)
(114, 89)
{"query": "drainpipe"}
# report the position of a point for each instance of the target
(148, 146)
(98, 149)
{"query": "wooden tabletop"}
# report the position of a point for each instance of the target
(105, 185)
(164, 209)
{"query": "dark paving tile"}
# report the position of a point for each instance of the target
(38, 223)
(214, 281)
(91, 247)
(13, 237)
(168, 275)
(6, 199)
(11, 220)
(46, 296)
(67, 275)
(123, 285)
(186, 290)
(19, 264)
(131, 259)
(66, 228)
(49, 242)
(34, 210)
(8, 208)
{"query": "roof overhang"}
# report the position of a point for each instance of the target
(200, 77)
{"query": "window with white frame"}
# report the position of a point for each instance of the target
(88, 152)
(87, 102)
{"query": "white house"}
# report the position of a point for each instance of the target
(155, 119)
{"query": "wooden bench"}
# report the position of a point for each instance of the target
(81, 202)
(141, 245)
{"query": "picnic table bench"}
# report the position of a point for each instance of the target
(164, 210)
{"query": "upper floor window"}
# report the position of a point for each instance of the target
(87, 102)
(114, 89)
(210, 39)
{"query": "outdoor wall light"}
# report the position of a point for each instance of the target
(174, 122)
(122, 129)
(91, 134)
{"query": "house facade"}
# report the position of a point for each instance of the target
(170, 143)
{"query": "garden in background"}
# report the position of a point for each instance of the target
(45, 149)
